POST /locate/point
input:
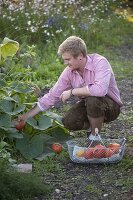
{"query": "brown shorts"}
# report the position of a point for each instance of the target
(95, 107)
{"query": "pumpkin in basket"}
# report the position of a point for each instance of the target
(80, 153)
(89, 153)
(99, 151)
(108, 153)
(114, 147)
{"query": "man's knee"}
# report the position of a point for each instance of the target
(113, 110)
(75, 117)
(95, 106)
(102, 106)
(70, 124)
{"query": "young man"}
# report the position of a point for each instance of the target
(89, 77)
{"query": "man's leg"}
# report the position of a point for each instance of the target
(76, 117)
(100, 110)
(91, 113)
(96, 123)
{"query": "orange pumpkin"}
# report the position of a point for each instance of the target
(108, 153)
(99, 151)
(56, 147)
(115, 147)
(88, 154)
(80, 153)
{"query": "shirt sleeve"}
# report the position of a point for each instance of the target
(102, 76)
(49, 99)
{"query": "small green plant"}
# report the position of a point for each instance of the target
(5, 152)
(15, 185)
(93, 189)
(130, 139)
(126, 164)
(125, 183)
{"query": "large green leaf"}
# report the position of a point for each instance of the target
(30, 147)
(13, 133)
(22, 88)
(42, 123)
(3, 144)
(59, 134)
(2, 83)
(55, 116)
(18, 109)
(9, 48)
(5, 120)
(0, 54)
(9, 107)
(14, 98)
(2, 76)
(2, 93)
(47, 152)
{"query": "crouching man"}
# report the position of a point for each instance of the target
(88, 77)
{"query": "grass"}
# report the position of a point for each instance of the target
(125, 183)
(93, 189)
(16, 185)
(92, 180)
(126, 164)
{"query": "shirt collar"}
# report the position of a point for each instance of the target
(89, 65)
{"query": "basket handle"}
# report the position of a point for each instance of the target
(123, 142)
(97, 135)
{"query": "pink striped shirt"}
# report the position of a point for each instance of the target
(98, 77)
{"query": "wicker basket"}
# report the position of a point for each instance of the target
(78, 145)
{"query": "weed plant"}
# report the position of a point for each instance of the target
(16, 185)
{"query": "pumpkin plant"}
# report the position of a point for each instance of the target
(35, 137)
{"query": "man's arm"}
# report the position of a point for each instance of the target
(79, 92)
(31, 113)
(83, 91)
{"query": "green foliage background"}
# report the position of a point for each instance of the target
(41, 26)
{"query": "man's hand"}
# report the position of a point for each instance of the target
(65, 95)
(23, 117)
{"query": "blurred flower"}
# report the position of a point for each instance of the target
(11, 7)
(59, 31)
(130, 19)
(83, 26)
(51, 21)
(33, 29)
(29, 22)
(72, 27)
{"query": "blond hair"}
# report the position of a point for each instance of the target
(74, 45)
